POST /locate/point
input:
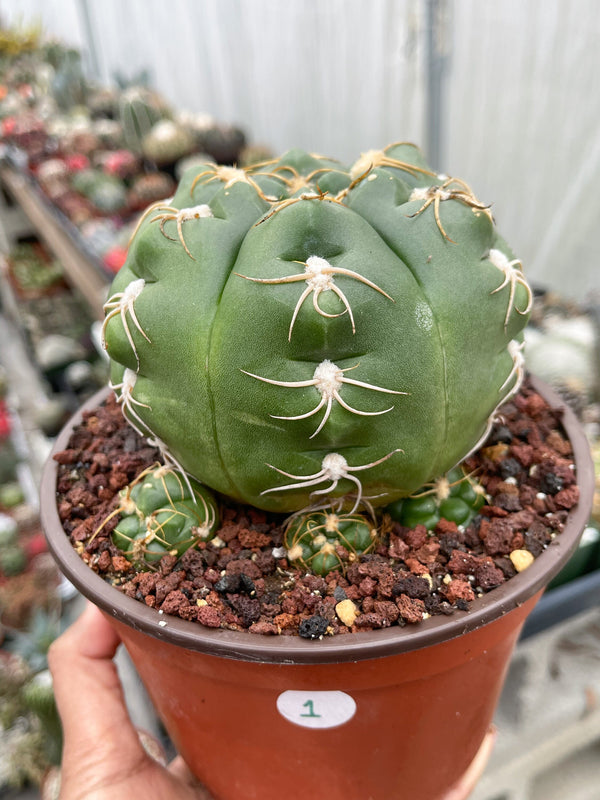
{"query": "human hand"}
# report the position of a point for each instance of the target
(103, 758)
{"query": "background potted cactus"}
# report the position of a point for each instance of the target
(314, 344)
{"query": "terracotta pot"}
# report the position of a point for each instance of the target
(386, 714)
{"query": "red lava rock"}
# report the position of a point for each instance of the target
(523, 453)
(458, 589)
(174, 602)
(286, 621)
(411, 609)
(387, 609)
(517, 541)
(398, 547)
(367, 586)
(209, 616)
(246, 566)
(428, 553)
(446, 526)
(266, 628)
(559, 443)
(498, 537)
(166, 585)
(120, 564)
(488, 575)
(493, 511)
(463, 563)
(416, 538)
(253, 539)
(104, 561)
(70, 456)
(416, 567)
(567, 498)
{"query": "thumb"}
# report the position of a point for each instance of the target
(90, 699)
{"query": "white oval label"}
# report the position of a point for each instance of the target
(316, 709)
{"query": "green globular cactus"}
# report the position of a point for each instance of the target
(325, 540)
(160, 514)
(300, 331)
(455, 496)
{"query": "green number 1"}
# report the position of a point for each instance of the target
(311, 710)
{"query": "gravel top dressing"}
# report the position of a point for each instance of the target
(242, 578)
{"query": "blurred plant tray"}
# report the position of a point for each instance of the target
(564, 602)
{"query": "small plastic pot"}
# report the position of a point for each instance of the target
(386, 714)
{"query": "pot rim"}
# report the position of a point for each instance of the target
(246, 646)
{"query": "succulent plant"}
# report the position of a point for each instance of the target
(328, 540)
(138, 110)
(223, 143)
(455, 496)
(109, 194)
(11, 494)
(150, 188)
(299, 331)
(167, 142)
(161, 514)
(8, 531)
(13, 560)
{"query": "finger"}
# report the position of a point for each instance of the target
(88, 690)
(180, 770)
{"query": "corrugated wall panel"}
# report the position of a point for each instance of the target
(521, 121)
(523, 126)
(335, 76)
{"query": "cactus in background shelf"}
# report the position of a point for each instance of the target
(138, 109)
(299, 332)
(166, 142)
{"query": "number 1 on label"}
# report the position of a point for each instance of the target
(311, 710)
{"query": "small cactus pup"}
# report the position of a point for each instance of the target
(455, 497)
(328, 540)
(160, 514)
(300, 332)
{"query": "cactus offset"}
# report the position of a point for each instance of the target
(300, 331)
(328, 540)
(159, 514)
(455, 497)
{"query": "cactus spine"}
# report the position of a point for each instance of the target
(299, 331)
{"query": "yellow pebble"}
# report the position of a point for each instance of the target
(521, 559)
(347, 612)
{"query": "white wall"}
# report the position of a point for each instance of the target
(521, 121)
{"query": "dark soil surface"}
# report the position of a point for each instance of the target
(243, 580)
